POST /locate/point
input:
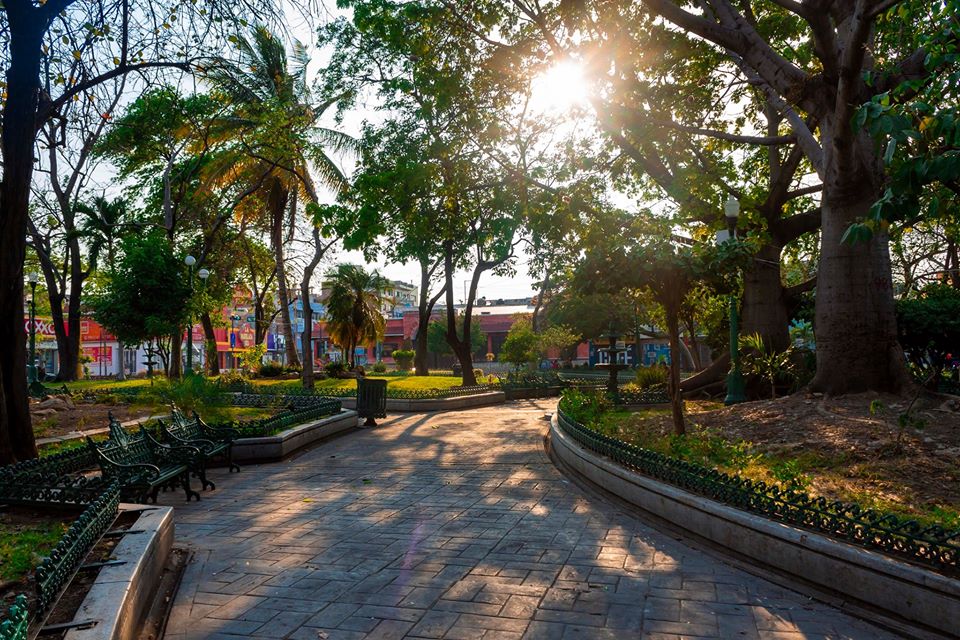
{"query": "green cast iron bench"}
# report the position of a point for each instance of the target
(211, 441)
(143, 465)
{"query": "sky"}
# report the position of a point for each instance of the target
(556, 91)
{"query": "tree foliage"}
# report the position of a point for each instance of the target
(148, 295)
(354, 307)
(929, 328)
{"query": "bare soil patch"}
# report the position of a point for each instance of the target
(85, 417)
(837, 447)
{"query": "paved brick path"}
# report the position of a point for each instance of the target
(455, 526)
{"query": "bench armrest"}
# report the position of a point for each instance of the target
(192, 442)
(123, 468)
(220, 433)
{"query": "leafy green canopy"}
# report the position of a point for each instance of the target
(437, 335)
(148, 294)
(929, 327)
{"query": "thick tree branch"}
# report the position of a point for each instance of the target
(788, 229)
(729, 137)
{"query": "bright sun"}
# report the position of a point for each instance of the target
(560, 88)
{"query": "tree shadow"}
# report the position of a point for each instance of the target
(449, 524)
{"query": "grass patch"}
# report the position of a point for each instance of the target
(395, 381)
(24, 544)
(407, 383)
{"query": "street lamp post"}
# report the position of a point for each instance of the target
(32, 278)
(233, 338)
(735, 386)
(190, 261)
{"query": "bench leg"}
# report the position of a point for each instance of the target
(231, 465)
(153, 494)
(185, 478)
(202, 474)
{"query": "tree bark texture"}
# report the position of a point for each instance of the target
(175, 364)
(764, 307)
(277, 199)
(425, 306)
(461, 347)
(676, 395)
(318, 252)
(855, 322)
(212, 359)
(17, 138)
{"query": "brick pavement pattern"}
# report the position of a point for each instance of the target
(456, 525)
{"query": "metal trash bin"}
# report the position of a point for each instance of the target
(371, 400)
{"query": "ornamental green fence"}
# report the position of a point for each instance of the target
(13, 626)
(286, 419)
(650, 395)
(416, 394)
(56, 571)
(932, 546)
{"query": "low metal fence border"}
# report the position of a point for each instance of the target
(933, 546)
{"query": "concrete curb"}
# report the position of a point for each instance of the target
(122, 594)
(279, 446)
(869, 581)
(439, 404)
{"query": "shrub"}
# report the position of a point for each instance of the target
(647, 377)
(761, 360)
(192, 393)
(522, 345)
(379, 367)
(270, 369)
(584, 406)
(251, 359)
(231, 377)
(335, 369)
(403, 358)
(928, 327)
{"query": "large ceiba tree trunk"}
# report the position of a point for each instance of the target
(277, 199)
(17, 138)
(765, 310)
(855, 321)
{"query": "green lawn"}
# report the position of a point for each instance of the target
(394, 382)
(82, 385)
(22, 545)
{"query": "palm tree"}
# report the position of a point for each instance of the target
(354, 307)
(105, 222)
(278, 140)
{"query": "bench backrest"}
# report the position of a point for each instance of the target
(118, 434)
(136, 450)
(185, 429)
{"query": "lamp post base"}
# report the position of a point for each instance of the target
(735, 389)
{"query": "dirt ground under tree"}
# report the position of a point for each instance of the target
(850, 448)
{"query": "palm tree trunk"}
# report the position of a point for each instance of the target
(278, 205)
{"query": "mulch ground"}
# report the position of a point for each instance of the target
(852, 453)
